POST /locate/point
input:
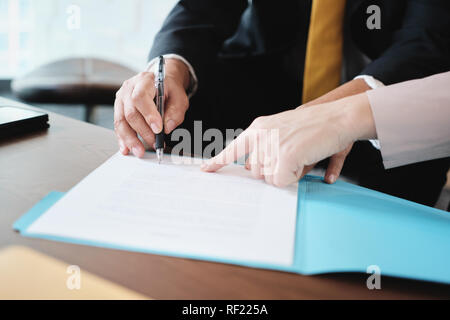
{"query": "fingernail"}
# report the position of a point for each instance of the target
(332, 178)
(155, 128)
(170, 126)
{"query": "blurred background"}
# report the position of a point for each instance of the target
(34, 33)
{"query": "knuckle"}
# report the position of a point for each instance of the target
(132, 144)
(146, 74)
(135, 97)
(185, 103)
(155, 116)
(118, 124)
(149, 75)
(259, 122)
(148, 136)
(131, 114)
(278, 182)
(149, 118)
(130, 140)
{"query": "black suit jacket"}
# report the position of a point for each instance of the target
(413, 42)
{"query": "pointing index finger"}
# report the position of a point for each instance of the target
(238, 148)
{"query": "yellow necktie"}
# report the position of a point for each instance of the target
(324, 50)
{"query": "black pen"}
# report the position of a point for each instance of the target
(159, 84)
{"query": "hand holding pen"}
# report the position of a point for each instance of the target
(136, 112)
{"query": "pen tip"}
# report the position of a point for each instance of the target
(159, 154)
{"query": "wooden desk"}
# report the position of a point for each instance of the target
(36, 164)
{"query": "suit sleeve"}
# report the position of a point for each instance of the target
(419, 48)
(412, 120)
(196, 29)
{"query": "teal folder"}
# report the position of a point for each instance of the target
(340, 228)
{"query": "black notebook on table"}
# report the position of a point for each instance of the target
(15, 121)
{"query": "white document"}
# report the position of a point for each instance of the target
(173, 207)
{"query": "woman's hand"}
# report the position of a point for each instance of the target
(284, 147)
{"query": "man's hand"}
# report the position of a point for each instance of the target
(135, 112)
(283, 147)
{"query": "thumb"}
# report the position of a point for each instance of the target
(335, 165)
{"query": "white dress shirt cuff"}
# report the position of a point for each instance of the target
(374, 84)
(371, 81)
(193, 82)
